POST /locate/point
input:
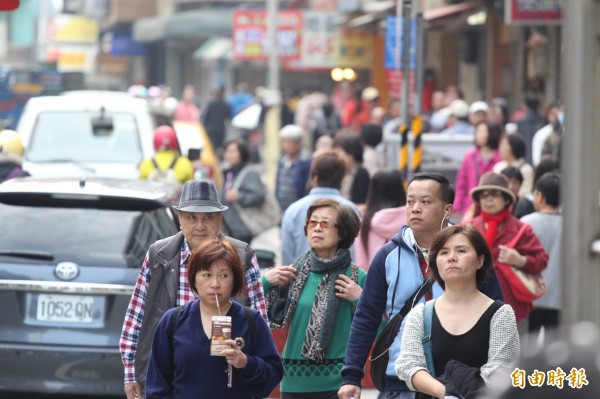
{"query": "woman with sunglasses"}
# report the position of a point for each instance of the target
(320, 291)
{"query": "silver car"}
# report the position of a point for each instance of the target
(70, 252)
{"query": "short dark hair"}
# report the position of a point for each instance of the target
(371, 134)
(547, 164)
(512, 172)
(495, 132)
(477, 241)
(329, 169)
(242, 148)
(532, 101)
(447, 191)
(518, 145)
(351, 145)
(549, 186)
(209, 253)
(347, 220)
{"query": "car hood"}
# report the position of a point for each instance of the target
(123, 170)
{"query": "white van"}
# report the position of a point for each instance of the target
(86, 133)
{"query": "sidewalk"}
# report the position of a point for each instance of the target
(369, 394)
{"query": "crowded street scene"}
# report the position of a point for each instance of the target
(324, 199)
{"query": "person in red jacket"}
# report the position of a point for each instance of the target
(499, 228)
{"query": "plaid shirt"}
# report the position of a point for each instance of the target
(135, 310)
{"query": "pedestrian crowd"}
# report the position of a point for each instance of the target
(361, 248)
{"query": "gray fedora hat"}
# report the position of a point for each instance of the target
(200, 196)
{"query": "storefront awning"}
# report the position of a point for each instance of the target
(189, 24)
(214, 49)
(455, 12)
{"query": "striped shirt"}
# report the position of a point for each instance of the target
(135, 310)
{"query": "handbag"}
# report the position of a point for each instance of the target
(380, 357)
(261, 217)
(525, 287)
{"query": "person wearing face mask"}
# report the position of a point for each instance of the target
(162, 281)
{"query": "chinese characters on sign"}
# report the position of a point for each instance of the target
(575, 379)
(534, 12)
(250, 41)
(305, 39)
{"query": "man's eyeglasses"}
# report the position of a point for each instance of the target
(325, 224)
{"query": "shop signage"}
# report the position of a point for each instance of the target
(394, 81)
(250, 41)
(326, 45)
(394, 47)
(533, 12)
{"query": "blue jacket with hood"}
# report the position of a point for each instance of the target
(376, 300)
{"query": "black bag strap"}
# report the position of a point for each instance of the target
(173, 163)
(170, 166)
(251, 322)
(395, 322)
(410, 302)
(172, 329)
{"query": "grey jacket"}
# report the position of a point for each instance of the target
(163, 258)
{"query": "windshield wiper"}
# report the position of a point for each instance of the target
(27, 254)
(78, 163)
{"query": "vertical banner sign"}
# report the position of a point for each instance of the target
(391, 61)
(250, 42)
(318, 39)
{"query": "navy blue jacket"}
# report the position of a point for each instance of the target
(195, 374)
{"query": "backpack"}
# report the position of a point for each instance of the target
(168, 175)
(173, 327)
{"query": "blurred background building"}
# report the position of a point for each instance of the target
(488, 48)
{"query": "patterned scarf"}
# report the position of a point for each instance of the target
(493, 221)
(324, 311)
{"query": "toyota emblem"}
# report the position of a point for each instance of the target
(66, 271)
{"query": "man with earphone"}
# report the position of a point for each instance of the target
(397, 271)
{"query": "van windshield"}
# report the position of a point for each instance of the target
(68, 136)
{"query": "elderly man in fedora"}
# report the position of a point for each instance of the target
(162, 282)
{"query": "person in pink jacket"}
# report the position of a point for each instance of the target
(383, 215)
(476, 162)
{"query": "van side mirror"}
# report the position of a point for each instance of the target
(194, 154)
(102, 125)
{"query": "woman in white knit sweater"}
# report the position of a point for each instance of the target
(467, 326)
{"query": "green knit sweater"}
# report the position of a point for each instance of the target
(300, 373)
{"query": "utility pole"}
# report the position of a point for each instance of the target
(273, 69)
(581, 165)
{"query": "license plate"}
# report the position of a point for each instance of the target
(65, 308)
